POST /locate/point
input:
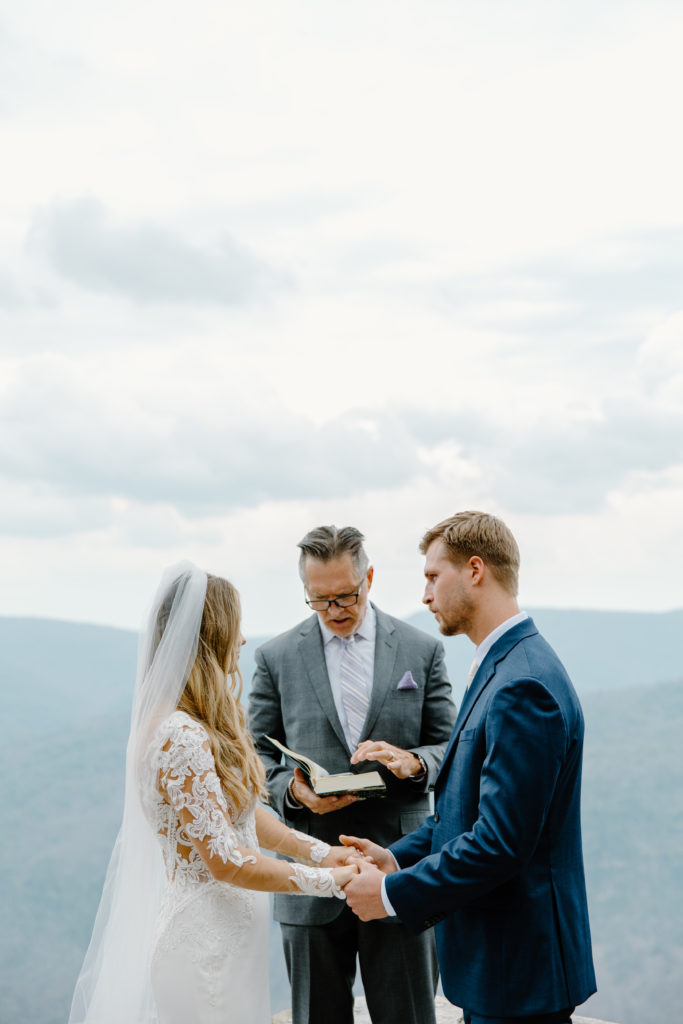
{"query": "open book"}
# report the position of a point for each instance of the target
(363, 784)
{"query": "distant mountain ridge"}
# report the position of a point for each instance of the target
(53, 672)
(95, 666)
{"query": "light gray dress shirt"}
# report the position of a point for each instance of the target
(364, 648)
(333, 649)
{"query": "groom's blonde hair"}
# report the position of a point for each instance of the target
(477, 533)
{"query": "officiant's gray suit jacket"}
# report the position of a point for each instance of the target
(291, 700)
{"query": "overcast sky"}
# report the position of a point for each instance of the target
(269, 265)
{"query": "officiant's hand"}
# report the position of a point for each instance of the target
(402, 763)
(303, 793)
(371, 852)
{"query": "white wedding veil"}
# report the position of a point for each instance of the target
(114, 984)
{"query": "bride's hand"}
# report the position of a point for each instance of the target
(344, 874)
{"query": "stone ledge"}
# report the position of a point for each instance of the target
(446, 1013)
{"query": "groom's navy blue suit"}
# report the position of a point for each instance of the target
(498, 868)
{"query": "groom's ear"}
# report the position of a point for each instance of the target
(371, 573)
(477, 570)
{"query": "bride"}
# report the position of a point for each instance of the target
(181, 934)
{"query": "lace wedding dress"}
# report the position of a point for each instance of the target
(174, 941)
(210, 958)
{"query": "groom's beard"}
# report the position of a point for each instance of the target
(457, 615)
(455, 628)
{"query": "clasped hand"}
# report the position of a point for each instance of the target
(363, 890)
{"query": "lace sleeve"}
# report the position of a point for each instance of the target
(188, 779)
(319, 848)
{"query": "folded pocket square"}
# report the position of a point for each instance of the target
(406, 682)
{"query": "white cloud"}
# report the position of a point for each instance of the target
(117, 430)
(31, 74)
(68, 426)
(34, 510)
(148, 262)
(11, 296)
(660, 361)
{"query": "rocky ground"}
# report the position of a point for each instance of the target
(446, 1013)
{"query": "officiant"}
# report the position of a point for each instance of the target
(351, 680)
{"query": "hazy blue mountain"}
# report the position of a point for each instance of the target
(66, 691)
(53, 673)
(633, 846)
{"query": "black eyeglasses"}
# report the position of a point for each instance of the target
(343, 601)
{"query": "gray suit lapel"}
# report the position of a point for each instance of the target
(386, 648)
(313, 658)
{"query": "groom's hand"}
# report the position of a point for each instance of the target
(338, 857)
(364, 892)
(302, 792)
(372, 852)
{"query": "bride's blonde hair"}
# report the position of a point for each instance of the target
(215, 702)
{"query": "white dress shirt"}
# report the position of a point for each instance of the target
(495, 634)
(479, 655)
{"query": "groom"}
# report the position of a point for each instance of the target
(497, 870)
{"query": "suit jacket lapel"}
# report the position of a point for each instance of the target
(386, 647)
(482, 678)
(313, 658)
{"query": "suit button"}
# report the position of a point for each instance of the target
(436, 817)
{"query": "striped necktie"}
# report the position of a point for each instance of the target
(354, 690)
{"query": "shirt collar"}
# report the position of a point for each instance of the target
(366, 630)
(495, 634)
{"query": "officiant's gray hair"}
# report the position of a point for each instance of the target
(327, 542)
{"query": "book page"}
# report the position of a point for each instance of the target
(307, 765)
(367, 783)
